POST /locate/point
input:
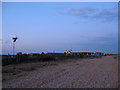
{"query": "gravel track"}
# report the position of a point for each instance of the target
(86, 73)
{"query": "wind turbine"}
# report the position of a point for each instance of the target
(14, 40)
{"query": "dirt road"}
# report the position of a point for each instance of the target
(86, 73)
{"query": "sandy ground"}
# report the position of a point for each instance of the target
(79, 73)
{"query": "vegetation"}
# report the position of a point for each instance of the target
(115, 57)
(23, 58)
(27, 69)
(8, 71)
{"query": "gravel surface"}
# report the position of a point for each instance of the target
(85, 73)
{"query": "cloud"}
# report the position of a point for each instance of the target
(106, 15)
(81, 12)
(92, 13)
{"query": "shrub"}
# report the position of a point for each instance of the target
(27, 69)
(8, 71)
(115, 57)
(47, 57)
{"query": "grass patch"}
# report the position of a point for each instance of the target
(115, 57)
(62, 70)
(28, 69)
(53, 64)
(8, 71)
(77, 64)
(14, 74)
(44, 65)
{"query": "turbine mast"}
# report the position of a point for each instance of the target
(14, 40)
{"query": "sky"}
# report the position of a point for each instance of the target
(57, 26)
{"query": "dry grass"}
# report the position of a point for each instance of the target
(115, 57)
(27, 69)
(8, 71)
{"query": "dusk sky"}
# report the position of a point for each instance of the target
(48, 26)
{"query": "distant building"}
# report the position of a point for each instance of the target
(79, 53)
(68, 52)
(83, 53)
